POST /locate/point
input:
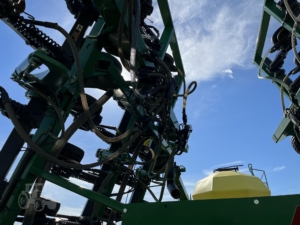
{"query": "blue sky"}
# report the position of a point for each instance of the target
(233, 113)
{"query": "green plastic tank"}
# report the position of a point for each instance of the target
(230, 184)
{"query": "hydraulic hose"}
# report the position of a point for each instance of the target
(154, 155)
(281, 92)
(186, 94)
(82, 93)
(70, 131)
(156, 103)
(165, 67)
(293, 40)
(287, 6)
(156, 75)
(55, 107)
(169, 164)
(285, 85)
(130, 16)
(172, 187)
(81, 82)
(56, 161)
(281, 82)
(133, 51)
(120, 35)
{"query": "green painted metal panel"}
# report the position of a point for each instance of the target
(246, 211)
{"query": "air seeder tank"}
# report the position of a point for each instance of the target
(230, 184)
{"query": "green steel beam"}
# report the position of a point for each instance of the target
(94, 196)
(166, 38)
(165, 13)
(261, 39)
(284, 129)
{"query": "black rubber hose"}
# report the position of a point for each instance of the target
(133, 77)
(172, 187)
(82, 95)
(130, 16)
(69, 132)
(120, 36)
(191, 88)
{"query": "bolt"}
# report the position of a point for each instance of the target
(256, 202)
(125, 210)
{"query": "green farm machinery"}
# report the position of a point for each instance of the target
(149, 135)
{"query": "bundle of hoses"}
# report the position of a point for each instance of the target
(283, 84)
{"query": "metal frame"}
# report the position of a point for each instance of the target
(285, 127)
(30, 166)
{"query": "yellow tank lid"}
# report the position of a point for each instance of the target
(230, 184)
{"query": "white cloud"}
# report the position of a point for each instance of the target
(215, 36)
(229, 73)
(276, 169)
